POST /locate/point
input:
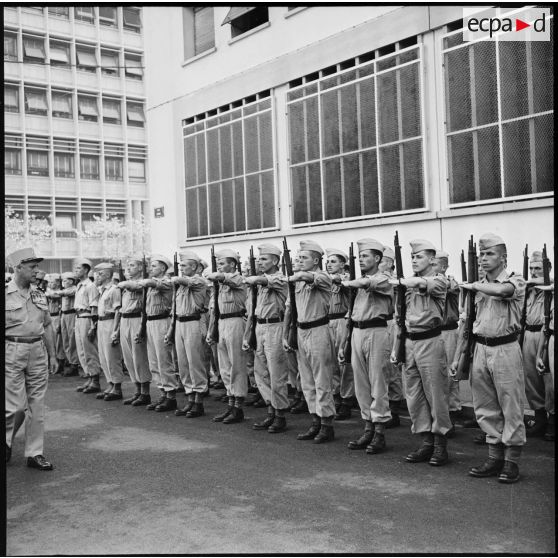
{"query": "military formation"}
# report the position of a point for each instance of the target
(307, 334)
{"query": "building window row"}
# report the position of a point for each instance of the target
(65, 155)
(62, 105)
(84, 57)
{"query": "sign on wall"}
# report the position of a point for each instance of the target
(159, 211)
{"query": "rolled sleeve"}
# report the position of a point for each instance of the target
(379, 283)
(321, 281)
(275, 282)
(435, 286)
(233, 280)
(163, 284)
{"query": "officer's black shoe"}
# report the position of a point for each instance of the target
(279, 425)
(143, 399)
(113, 396)
(130, 400)
(196, 411)
(85, 385)
(343, 412)
(300, 407)
(480, 439)
(326, 434)
(264, 424)
(166, 405)
(183, 412)
(39, 462)
(8, 453)
(424, 453)
(394, 421)
(221, 417)
(377, 445)
(510, 473)
(361, 442)
(101, 395)
(236, 415)
(490, 468)
(312, 432)
(92, 388)
(151, 406)
(440, 455)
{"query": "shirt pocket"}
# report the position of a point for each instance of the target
(15, 313)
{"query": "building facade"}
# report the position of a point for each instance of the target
(75, 135)
(336, 123)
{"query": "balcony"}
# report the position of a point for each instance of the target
(110, 35)
(67, 247)
(62, 76)
(59, 25)
(91, 188)
(87, 80)
(12, 121)
(36, 123)
(34, 72)
(89, 129)
(136, 134)
(38, 185)
(85, 30)
(63, 126)
(65, 187)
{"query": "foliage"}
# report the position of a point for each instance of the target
(20, 233)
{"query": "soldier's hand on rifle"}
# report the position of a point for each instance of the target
(545, 287)
(245, 345)
(341, 356)
(541, 368)
(209, 340)
(393, 357)
(287, 347)
(468, 286)
(138, 338)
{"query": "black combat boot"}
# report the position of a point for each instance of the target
(440, 455)
(267, 422)
(378, 443)
(424, 452)
(312, 432)
(190, 403)
(130, 400)
(365, 439)
(326, 433)
(160, 401)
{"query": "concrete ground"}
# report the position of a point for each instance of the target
(129, 481)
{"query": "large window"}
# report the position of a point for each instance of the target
(107, 16)
(64, 154)
(11, 98)
(131, 19)
(36, 101)
(114, 157)
(12, 154)
(356, 143)
(199, 30)
(59, 53)
(111, 111)
(109, 62)
(33, 49)
(86, 59)
(136, 163)
(89, 166)
(84, 14)
(244, 18)
(133, 65)
(59, 11)
(499, 118)
(229, 163)
(87, 108)
(37, 162)
(134, 114)
(10, 46)
(62, 104)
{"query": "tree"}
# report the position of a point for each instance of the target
(22, 232)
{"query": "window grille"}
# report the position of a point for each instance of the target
(116, 207)
(39, 204)
(92, 205)
(499, 118)
(356, 139)
(68, 205)
(11, 98)
(33, 49)
(229, 162)
(37, 142)
(114, 156)
(17, 203)
(62, 104)
(13, 140)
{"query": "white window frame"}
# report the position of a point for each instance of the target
(88, 107)
(131, 26)
(37, 162)
(86, 60)
(89, 162)
(134, 113)
(68, 170)
(84, 14)
(114, 164)
(13, 93)
(12, 40)
(108, 21)
(134, 163)
(14, 154)
(63, 56)
(110, 62)
(133, 66)
(33, 51)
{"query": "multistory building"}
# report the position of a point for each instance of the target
(75, 136)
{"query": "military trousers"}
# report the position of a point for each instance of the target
(26, 380)
(68, 327)
(190, 350)
(270, 365)
(110, 355)
(56, 326)
(426, 385)
(135, 354)
(160, 355)
(370, 358)
(87, 350)
(539, 390)
(450, 341)
(498, 389)
(395, 379)
(232, 359)
(292, 370)
(343, 380)
(316, 369)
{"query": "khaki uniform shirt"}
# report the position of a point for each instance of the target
(497, 316)
(159, 299)
(68, 298)
(339, 298)
(535, 307)
(313, 299)
(110, 299)
(54, 302)
(132, 301)
(425, 305)
(272, 297)
(27, 314)
(87, 295)
(451, 310)
(190, 299)
(374, 301)
(232, 294)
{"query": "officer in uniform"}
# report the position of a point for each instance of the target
(108, 330)
(68, 321)
(343, 382)
(232, 359)
(54, 306)
(497, 384)
(315, 351)
(449, 332)
(538, 388)
(159, 303)
(270, 364)
(190, 333)
(425, 372)
(134, 347)
(30, 354)
(85, 304)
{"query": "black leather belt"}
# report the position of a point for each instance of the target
(189, 318)
(16, 339)
(232, 315)
(131, 315)
(529, 327)
(84, 315)
(70, 311)
(315, 323)
(54, 313)
(109, 316)
(158, 317)
(365, 324)
(337, 316)
(424, 334)
(269, 320)
(449, 326)
(495, 341)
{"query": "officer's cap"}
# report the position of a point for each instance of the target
(189, 255)
(335, 252)
(228, 253)
(488, 240)
(307, 245)
(69, 275)
(389, 253)
(23, 255)
(135, 258)
(419, 245)
(442, 254)
(203, 263)
(104, 265)
(83, 261)
(162, 259)
(370, 244)
(269, 249)
(536, 256)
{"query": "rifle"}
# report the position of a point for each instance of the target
(547, 303)
(216, 312)
(174, 289)
(523, 320)
(463, 277)
(347, 346)
(292, 340)
(254, 292)
(120, 272)
(466, 357)
(283, 265)
(401, 304)
(145, 275)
